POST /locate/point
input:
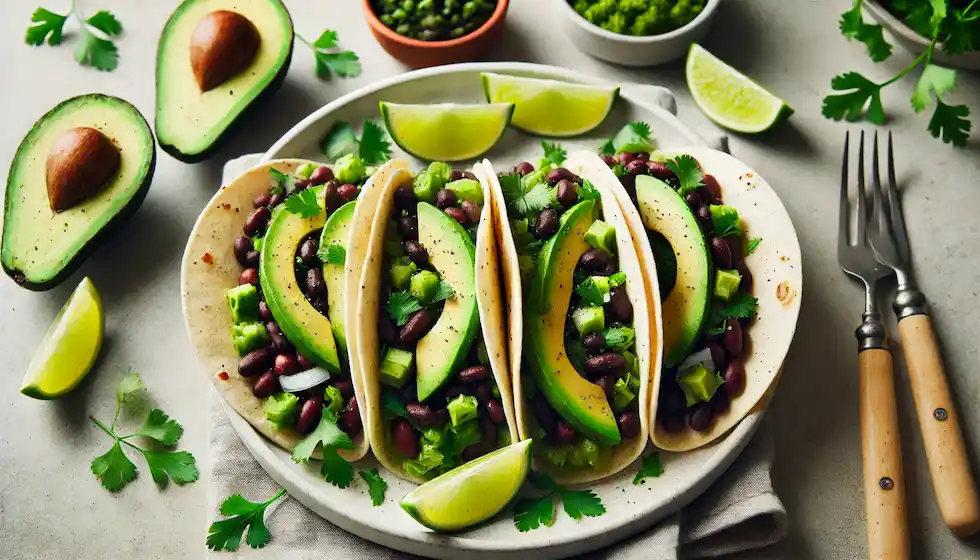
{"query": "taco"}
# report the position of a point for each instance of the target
(430, 325)
(581, 337)
(716, 245)
(264, 284)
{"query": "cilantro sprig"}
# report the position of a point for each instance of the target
(334, 254)
(554, 154)
(402, 304)
(524, 198)
(373, 146)
(95, 47)
(651, 467)
(740, 306)
(304, 204)
(114, 469)
(330, 59)
(951, 29)
(688, 172)
(226, 534)
(532, 513)
(329, 438)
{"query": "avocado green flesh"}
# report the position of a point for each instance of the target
(335, 232)
(41, 247)
(685, 309)
(188, 122)
(443, 350)
(579, 402)
(305, 328)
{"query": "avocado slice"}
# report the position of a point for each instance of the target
(581, 403)
(441, 352)
(193, 114)
(42, 246)
(335, 232)
(305, 327)
(685, 309)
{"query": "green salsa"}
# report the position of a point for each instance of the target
(639, 17)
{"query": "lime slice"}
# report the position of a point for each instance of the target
(550, 107)
(730, 98)
(473, 492)
(69, 347)
(447, 131)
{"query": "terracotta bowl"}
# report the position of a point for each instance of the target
(420, 54)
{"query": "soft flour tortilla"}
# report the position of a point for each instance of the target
(210, 269)
(777, 274)
(647, 341)
(368, 306)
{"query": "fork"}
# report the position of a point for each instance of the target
(881, 445)
(952, 481)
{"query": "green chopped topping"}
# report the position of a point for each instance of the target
(280, 409)
(244, 303)
(462, 409)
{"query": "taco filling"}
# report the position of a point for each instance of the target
(699, 247)
(579, 342)
(440, 402)
(288, 307)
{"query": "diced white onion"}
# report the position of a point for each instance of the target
(702, 356)
(303, 380)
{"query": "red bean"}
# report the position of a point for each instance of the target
(672, 422)
(307, 251)
(594, 260)
(472, 211)
(300, 185)
(594, 343)
(746, 284)
(609, 160)
(285, 364)
(405, 199)
(713, 187)
(660, 170)
(484, 392)
(625, 157)
(331, 196)
(309, 414)
(558, 174)
(408, 227)
(606, 383)
(489, 434)
(256, 221)
(564, 433)
(345, 387)
(637, 168)
(734, 378)
(474, 374)
(321, 175)
(523, 168)
(304, 362)
(456, 214)
(242, 247)
(605, 364)
(276, 200)
(422, 414)
(264, 312)
(279, 342)
(547, 224)
(701, 415)
(315, 288)
(405, 438)
(718, 356)
(249, 276)
(721, 253)
(417, 253)
(252, 259)
(445, 198)
(641, 156)
(265, 385)
(629, 424)
(415, 328)
(620, 307)
(545, 416)
(567, 193)
(495, 411)
(474, 451)
(254, 362)
(732, 338)
(350, 421)
(348, 192)
(470, 175)
(261, 200)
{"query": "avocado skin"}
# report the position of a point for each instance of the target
(266, 94)
(115, 222)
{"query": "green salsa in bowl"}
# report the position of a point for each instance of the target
(639, 18)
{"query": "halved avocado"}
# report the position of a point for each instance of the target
(190, 122)
(335, 232)
(685, 309)
(579, 402)
(441, 352)
(305, 327)
(42, 246)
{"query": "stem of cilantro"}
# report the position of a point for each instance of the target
(303, 39)
(101, 425)
(926, 56)
(276, 497)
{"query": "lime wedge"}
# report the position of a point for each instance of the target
(447, 131)
(730, 98)
(550, 107)
(473, 492)
(69, 347)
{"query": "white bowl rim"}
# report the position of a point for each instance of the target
(709, 9)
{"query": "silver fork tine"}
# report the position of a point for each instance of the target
(862, 212)
(899, 233)
(879, 210)
(843, 228)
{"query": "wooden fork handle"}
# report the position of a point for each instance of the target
(881, 444)
(955, 487)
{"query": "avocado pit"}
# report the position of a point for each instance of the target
(80, 163)
(223, 44)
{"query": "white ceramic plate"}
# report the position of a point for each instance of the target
(630, 508)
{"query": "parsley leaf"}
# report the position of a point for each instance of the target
(688, 172)
(114, 469)
(96, 52)
(580, 503)
(401, 305)
(330, 60)
(326, 434)
(226, 534)
(753, 245)
(607, 148)
(45, 25)
(160, 427)
(376, 486)
(951, 122)
(531, 514)
(553, 154)
(178, 465)
(862, 98)
(333, 254)
(651, 467)
(374, 147)
(105, 22)
(339, 141)
(303, 204)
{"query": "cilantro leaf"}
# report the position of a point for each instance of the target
(619, 339)
(553, 153)
(933, 79)
(607, 148)
(641, 129)
(579, 503)
(327, 40)
(334, 254)
(105, 22)
(753, 245)
(587, 191)
(523, 199)
(651, 467)
(443, 292)
(96, 52)
(401, 305)
(688, 172)
(160, 427)
(860, 93)
(394, 405)
(114, 469)
(226, 534)
(129, 388)
(283, 182)
(725, 220)
(938, 14)
(542, 481)
(45, 24)
(531, 514)
(376, 486)
(178, 465)
(374, 147)
(951, 122)
(339, 141)
(303, 204)
(739, 306)
(590, 293)
(326, 434)
(345, 64)
(335, 469)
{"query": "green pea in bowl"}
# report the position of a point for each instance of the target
(637, 32)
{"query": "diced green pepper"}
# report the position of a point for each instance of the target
(280, 409)
(698, 384)
(244, 303)
(462, 409)
(248, 337)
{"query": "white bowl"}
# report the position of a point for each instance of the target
(628, 50)
(915, 43)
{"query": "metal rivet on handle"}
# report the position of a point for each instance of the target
(940, 414)
(886, 483)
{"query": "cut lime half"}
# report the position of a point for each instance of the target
(730, 98)
(70, 346)
(550, 107)
(447, 131)
(473, 492)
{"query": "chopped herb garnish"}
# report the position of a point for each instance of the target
(753, 245)
(554, 154)
(619, 339)
(329, 438)
(303, 204)
(334, 254)
(373, 148)
(725, 220)
(607, 148)
(330, 59)
(532, 513)
(688, 172)
(523, 199)
(740, 306)
(590, 294)
(97, 51)
(587, 191)
(651, 467)
(376, 486)
(226, 534)
(401, 305)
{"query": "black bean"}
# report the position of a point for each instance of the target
(315, 288)
(304, 362)
(261, 200)
(523, 168)
(265, 385)
(558, 174)
(405, 199)
(564, 433)
(386, 329)
(719, 402)
(629, 424)
(721, 253)
(732, 338)
(547, 224)
(252, 259)
(423, 414)
(445, 198)
(320, 304)
(469, 175)
(331, 196)
(594, 260)
(660, 170)
(417, 253)
(594, 343)
(620, 308)
(242, 246)
(606, 383)
(545, 416)
(408, 227)
(415, 328)
(348, 192)
(701, 415)
(264, 312)
(567, 193)
(713, 187)
(609, 160)
(405, 437)
(249, 276)
(307, 251)
(746, 284)
(279, 342)
(255, 362)
(472, 211)
(455, 175)
(693, 199)
(321, 175)
(609, 269)
(672, 422)
(641, 156)
(474, 374)
(256, 221)
(285, 364)
(718, 356)
(484, 391)
(276, 200)
(609, 363)
(703, 214)
(734, 378)
(456, 214)
(637, 168)
(625, 157)
(309, 414)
